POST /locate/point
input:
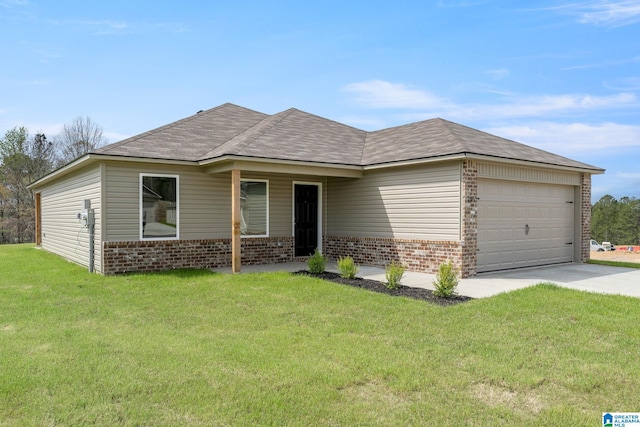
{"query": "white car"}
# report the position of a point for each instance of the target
(595, 246)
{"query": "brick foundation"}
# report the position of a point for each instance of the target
(418, 255)
(158, 255)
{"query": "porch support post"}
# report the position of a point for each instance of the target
(235, 220)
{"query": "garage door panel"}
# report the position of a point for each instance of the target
(506, 208)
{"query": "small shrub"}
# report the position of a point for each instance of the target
(347, 267)
(317, 263)
(446, 280)
(394, 273)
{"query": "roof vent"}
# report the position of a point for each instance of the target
(199, 111)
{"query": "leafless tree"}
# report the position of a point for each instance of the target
(78, 138)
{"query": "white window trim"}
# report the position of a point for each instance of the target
(293, 209)
(266, 181)
(141, 206)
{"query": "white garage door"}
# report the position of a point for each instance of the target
(523, 224)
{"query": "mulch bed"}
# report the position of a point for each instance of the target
(402, 291)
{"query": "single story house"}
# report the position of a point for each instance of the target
(232, 186)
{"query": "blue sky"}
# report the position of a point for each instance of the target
(559, 75)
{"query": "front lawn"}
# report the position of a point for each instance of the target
(197, 348)
(614, 263)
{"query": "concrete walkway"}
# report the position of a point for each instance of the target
(584, 277)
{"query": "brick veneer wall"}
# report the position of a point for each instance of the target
(586, 217)
(418, 255)
(469, 218)
(122, 257)
(267, 250)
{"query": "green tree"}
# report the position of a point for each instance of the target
(603, 219)
(616, 221)
(22, 161)
(628, 224)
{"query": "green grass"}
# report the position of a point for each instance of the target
(615, 263)
(197, 348)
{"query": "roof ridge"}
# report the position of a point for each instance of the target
(252, 134)
(269, 124)
(444, 126)
(167, 126)
(364, 147)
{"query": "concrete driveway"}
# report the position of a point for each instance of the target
(584, 277)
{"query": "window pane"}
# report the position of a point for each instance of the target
(159, 207)
(253, 208)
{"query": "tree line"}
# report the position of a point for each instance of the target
(616, 221)
(25, 158)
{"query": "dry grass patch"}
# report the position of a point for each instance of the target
(499, 395)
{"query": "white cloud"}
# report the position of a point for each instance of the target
(547, 104)
(629, 175)
(109, 27)
(617, 184)
(572, 138)
(625, 84)
(13, 3)
(383, 94)
(605, 64)
(603, 12)
(611, 13)
(498, 74)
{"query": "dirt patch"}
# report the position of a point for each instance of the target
(620, 255)
(403, 291)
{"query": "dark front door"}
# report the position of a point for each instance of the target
(306, 219)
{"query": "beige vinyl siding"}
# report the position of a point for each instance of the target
(405, 203)
(205, 201)
(61, 201)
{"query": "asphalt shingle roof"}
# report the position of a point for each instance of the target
(296, 135)
(189, 138)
